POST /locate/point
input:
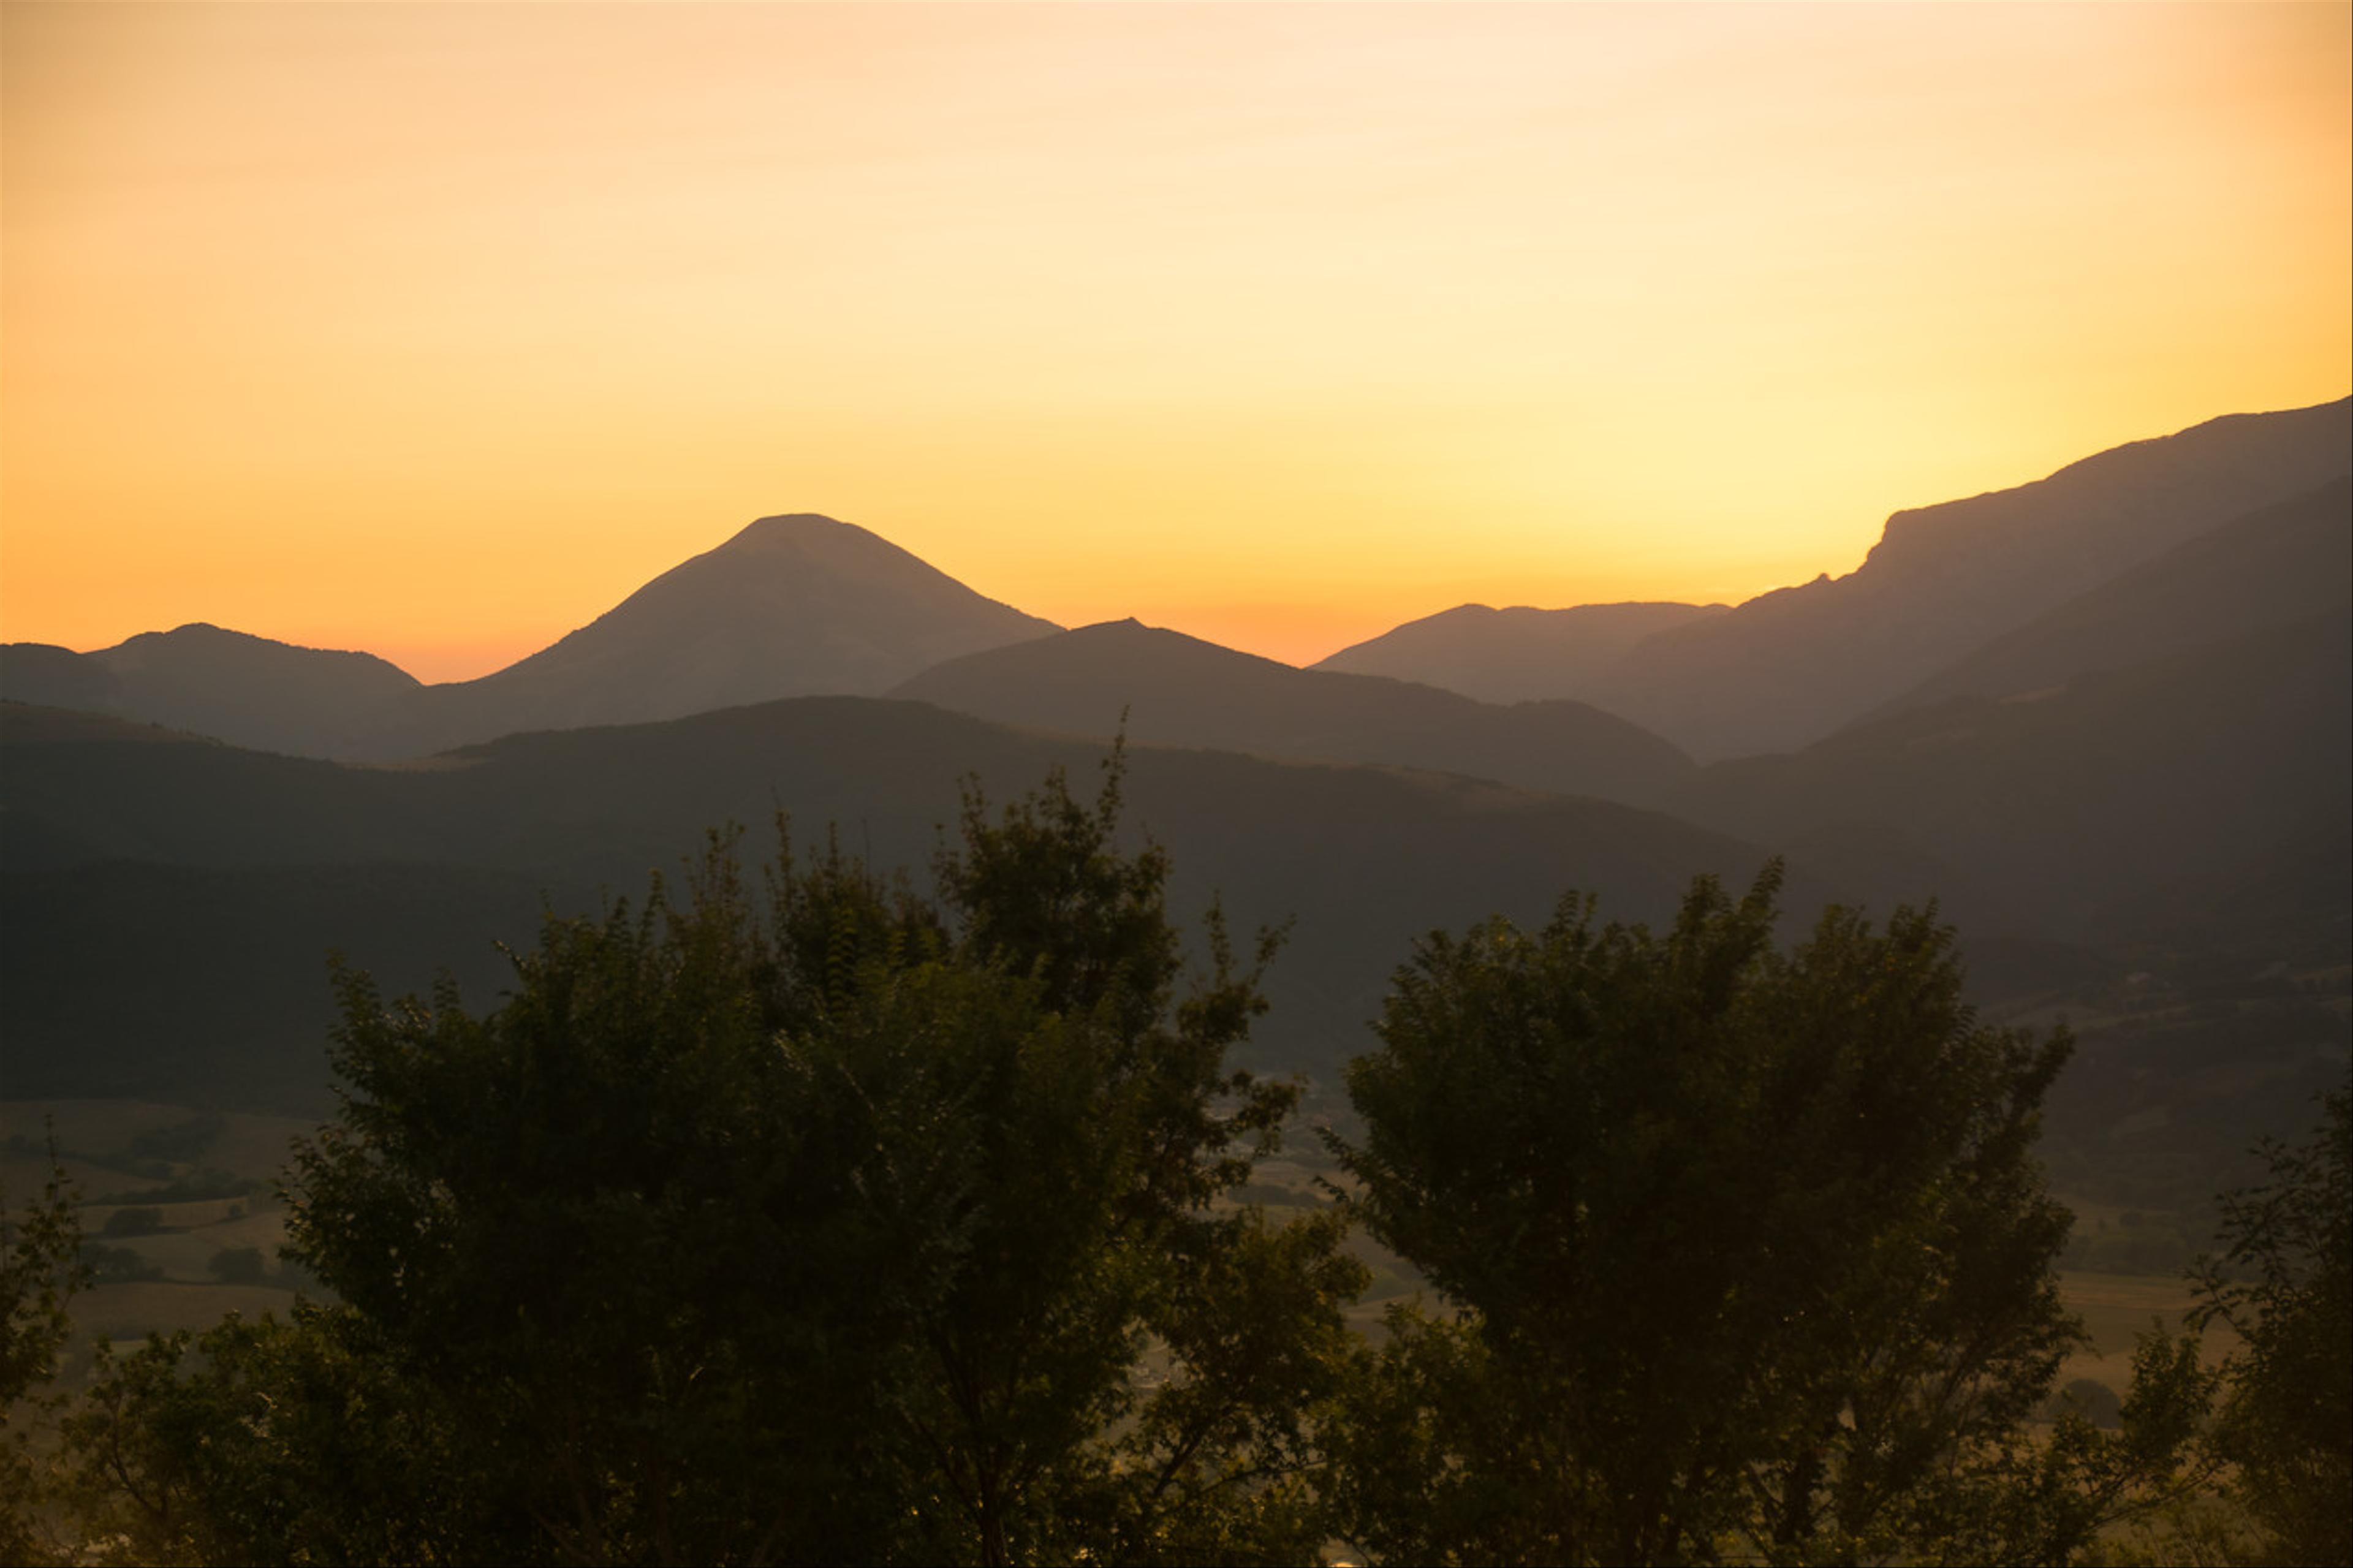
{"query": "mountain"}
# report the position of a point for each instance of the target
(2285, 563)
(1789, 667)
(1518, 655)
(791, 606)
(168, 901)
(271, 694)
(2051, 807)
(1177, 691)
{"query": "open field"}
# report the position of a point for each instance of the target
(116, 1149)
(2118, 1308)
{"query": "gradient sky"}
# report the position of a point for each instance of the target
(434, 330)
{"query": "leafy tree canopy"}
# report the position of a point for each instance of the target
(838, 1223)
(1747, 1250)
(2286, 1283)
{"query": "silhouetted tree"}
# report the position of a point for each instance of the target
(2286, 1283)
(237, 1265)
(297, 1440)
(835, 1226)
(1745, 1248)
(41, 1268)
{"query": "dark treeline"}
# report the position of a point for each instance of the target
(822, 1219)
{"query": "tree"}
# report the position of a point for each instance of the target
(278, 1441)
(41, 1268)
(236, 1266)
(2285, 1282)
(1746, 1249)
(837, 1227)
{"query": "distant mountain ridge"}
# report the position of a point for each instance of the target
(2282, 565)
(1171, 690)
(1792, 666)
(794, 605)
(1515, 655)
(252, 691)
(1789, 666)
(803, 604)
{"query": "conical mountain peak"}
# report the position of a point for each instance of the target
(792, 528)
(793, 605)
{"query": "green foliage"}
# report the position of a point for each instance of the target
(181, 1142)
(118, 1264)
(278, 1442)
(2286, 1283)
(831, 1221)
(238, 1265)
(41, 1267)
(648, 1252)
(2054, 1500)
(838, 1224)
(137, 1221)
(1747, 1248)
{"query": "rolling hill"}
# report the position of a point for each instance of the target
(1517, 655)
(168, 901)
(1177, 691)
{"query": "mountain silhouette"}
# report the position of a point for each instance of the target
(2285, 563)
(1792, 666)
(791, 606)
(219, 877)
(1518, 655)
(1178, 690)
(270, 695)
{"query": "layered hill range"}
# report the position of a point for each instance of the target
(2105, 719)
(1166, 688)
(168, 900)
(1792, 666)
(1951, 602)
(793, 605)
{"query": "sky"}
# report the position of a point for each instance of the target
(434, 330)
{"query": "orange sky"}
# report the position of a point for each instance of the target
(435, 329)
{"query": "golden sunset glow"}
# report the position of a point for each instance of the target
(434, 330)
